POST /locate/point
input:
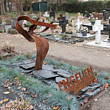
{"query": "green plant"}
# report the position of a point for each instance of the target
(63, 100)
(103, 77)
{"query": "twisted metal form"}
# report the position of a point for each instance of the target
(42, 44)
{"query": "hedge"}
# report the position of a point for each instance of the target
(90, 6)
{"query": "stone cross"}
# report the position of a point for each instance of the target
(97, 28)
(108, 28)
(78, 24)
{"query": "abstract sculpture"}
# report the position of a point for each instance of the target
(42, 44)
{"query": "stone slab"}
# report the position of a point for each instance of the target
(45, 74)
(47, 67)
(27, 71)
(62, 73)
(58, 79)
(81, 36)
(27, 66)
(27, 61)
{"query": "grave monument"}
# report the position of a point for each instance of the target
(97, 29)
(78, 23)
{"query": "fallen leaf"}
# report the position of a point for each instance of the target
(1, 102)
(23, 89)
(44, 63)
(33, 95)
(106, 85)
(56, 107)
(7, 92)
(5, 100)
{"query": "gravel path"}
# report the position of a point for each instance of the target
(76, 54)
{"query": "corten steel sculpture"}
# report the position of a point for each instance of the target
(78, 81)
(42, 44)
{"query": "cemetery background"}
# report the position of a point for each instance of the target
(77, 54)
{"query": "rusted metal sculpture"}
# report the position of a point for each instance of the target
(42, 44)
(78, 81)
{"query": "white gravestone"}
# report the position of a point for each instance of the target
(97, 28)
(46, 14)
(78, 24)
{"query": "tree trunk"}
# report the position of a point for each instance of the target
(5, 5)
(19, 7)
(2, 7)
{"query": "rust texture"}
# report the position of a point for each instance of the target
(42, 44)
(78, 81)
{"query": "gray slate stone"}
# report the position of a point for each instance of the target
(27, 66)
(48, 67)
(27, 71)
(62, 73)
(58, 79)
(27, 61)
(45, 74)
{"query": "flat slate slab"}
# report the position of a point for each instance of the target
(48, 67)
(28, 61)
(62, 73)
(58, 79)
(45, 74)
(27, 66)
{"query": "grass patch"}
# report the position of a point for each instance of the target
(47, 95)
(65, 66)
(12, 14)
(103, 77)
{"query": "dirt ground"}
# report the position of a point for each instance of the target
(75, 54)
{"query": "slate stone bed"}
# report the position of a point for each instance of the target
(50, 75)
(67, 38)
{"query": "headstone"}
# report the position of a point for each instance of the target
(97, 28)
(78, 22)
(13, 22)
(105, 15)
(46, 15)
(2, 27)
(7, 27)
(109, 29)
(78, 25)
